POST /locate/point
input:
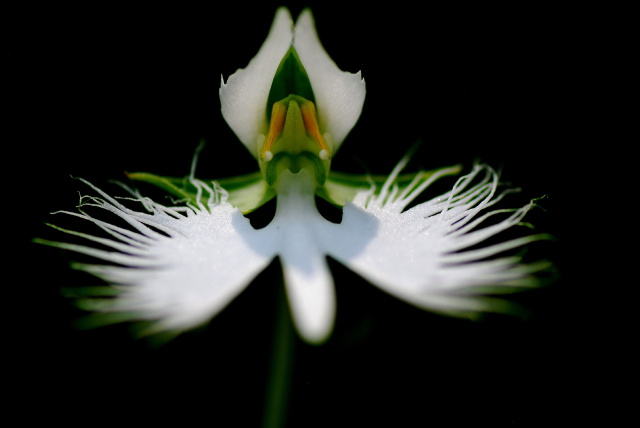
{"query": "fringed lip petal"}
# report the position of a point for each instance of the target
(179, 266)
(243, 98)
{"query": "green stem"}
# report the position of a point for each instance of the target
(279, 380)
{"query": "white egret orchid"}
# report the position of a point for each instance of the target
(178, 266)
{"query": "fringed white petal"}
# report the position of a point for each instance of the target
(339, 94)
(243, 98)
(418, 255)
(179, 266)
(176, 266)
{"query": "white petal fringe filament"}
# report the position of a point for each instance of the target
(179, 266)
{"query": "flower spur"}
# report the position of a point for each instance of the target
(178, 266)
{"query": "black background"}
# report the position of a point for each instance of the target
(94, 92)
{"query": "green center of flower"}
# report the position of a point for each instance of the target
(294, 141)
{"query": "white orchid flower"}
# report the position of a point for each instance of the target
(178, 266)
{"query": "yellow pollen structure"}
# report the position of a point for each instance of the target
(278, 116)
(310, 120)
(278, 123)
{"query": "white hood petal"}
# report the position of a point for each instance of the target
(339, 94)
(243, 98)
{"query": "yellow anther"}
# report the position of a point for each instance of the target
(310, 120)
(293, 141)
(278, 116)
(293, 129)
